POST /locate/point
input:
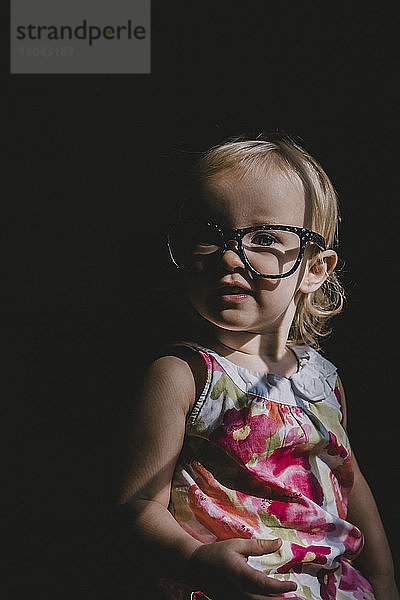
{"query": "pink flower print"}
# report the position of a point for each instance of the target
(242, 435)
(334, 448)
(210, 487)
(352, 539)
(307, 554)
(352, 581)
(327, 581)
(290, 468)
(216, 367)
(340, 500)
(298, 435)
(221, 523)
(317, 530)
(303, 515)
(344, 474)
(341, 476)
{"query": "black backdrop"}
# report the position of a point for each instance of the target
(92, 159)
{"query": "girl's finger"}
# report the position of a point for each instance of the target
(268, 586)
(256, 582)
(253, 581)
(274, 597)
(248, 596)
(257, 547)
(269, 597)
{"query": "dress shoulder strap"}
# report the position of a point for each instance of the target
(209, 363)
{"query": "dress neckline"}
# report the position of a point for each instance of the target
(314, 381)
(302, 354)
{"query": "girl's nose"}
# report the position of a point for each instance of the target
(230, 258)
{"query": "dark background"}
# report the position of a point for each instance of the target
(92, 158)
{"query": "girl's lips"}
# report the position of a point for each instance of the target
(234, 297)
(233, 293)
(232, 290)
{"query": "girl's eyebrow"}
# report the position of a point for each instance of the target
(251, 223)
(259, 222)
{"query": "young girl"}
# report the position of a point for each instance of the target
(241, 480)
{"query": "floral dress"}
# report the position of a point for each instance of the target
(266, 456)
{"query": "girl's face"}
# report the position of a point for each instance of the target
(236, 199)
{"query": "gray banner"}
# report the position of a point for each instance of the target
(80, 36)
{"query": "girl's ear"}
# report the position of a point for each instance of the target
(317, 270)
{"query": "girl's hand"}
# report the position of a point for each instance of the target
(221, 571)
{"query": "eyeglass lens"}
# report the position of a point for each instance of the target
(270, 252)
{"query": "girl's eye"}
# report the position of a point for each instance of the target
(262, 238)
(205, 248)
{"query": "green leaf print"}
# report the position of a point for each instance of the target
(272, 443)
(253, 460)
(277, 529)
(306, 590)
(340, 596)
(225, 384)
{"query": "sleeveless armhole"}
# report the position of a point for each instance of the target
(198, 405)
(340, 397)
(199, 402)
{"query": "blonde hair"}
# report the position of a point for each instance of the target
(313, 309)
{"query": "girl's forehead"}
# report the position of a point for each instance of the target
(241, 198)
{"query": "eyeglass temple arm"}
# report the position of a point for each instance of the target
(317, 239)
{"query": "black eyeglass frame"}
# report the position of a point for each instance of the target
(305, 235)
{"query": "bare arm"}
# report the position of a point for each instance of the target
(156, 440)
(375, 560)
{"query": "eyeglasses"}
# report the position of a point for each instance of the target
(269, 251)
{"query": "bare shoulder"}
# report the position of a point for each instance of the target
(179, 376)
(157, 427)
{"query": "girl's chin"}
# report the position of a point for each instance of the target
(230, 324)
(229, 317)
